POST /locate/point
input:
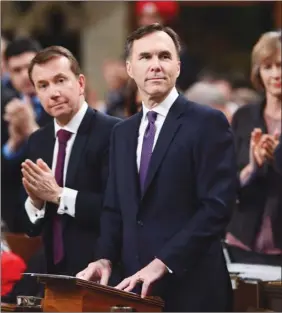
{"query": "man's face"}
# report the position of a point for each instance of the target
(18, 69)
(154, 64)
(58, 88)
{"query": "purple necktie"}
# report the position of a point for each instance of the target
(58, 248)
(147, 147)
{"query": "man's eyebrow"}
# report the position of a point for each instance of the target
(59, 75)
(54, 77)
(165, 52)
(142, 54)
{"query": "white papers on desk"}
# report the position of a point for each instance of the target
(253, 271)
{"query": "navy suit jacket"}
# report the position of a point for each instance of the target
(183, 211)
(87, 172)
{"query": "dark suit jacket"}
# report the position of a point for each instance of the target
(87, 172)
(6, 96)
(183, 212)
(265, 184)
(278, 156)
(11, 177)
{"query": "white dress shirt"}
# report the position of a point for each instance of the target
(68, 197)
(162, 109)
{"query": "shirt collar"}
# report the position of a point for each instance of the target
(75, 122)
(163, 107)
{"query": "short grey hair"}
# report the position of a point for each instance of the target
(206, 94)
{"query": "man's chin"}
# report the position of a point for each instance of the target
(156, 91)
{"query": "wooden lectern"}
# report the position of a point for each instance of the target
(70, 294)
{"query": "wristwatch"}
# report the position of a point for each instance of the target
(59, 199)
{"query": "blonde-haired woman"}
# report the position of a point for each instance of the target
(255, 232)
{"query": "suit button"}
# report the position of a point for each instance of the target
(66, 208)
(140, 223)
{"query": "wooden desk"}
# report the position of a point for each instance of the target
(69, 294)
(271, 296)
(257, 296)
(7, 307)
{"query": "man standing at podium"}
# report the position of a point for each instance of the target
(67, 166)
(171, 187)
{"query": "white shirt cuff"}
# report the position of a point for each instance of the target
(67, 203)
(33, 213)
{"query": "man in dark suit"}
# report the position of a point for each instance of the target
(167, 221)
(67, 166)
(22, 114)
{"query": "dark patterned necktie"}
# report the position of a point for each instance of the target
(147, 147)
(58, 247)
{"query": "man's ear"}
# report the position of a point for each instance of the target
(179, 68)
(129, 68)
(82, 83)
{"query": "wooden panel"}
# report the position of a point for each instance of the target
(23, 245)
(272, 296)
(7, 307)
(104, 303)
(278, 14)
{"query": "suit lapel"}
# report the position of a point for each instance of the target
(78, 147)
(131, 146)
(47, 148)
(168, 131)
(46, 153)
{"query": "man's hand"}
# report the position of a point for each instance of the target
(22, 116)
(268, 144)
(40, 181)
(256, 158)
(16, 139)
(99, 271)
(37, 202)
(147, 276)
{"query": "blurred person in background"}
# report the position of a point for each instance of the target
(22, 114)
(243, 95)
(116, 78)
(210, 95)
(4, 74)
(255, 233)
(7, 90)
(223, 82)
